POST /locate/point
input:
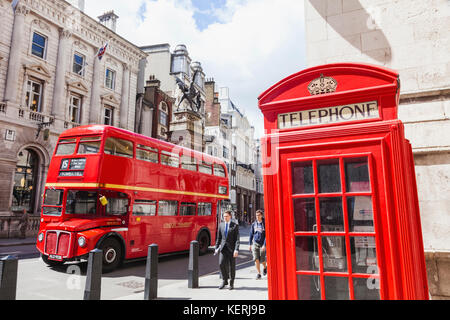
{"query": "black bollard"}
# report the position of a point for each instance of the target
(193, 265)
(8, 277)
(92, 290)
(151, 273)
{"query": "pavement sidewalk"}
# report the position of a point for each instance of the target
(11, 242)
(246, 287)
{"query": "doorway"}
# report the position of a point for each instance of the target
(25, 181)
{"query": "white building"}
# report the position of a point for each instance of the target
(412, 37)
(51, 79)
(245, 156)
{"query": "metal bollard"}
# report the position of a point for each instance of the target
(151, 273)
(193, 265)
(92, 290)
(8, 277)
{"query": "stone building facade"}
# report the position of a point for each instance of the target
(51, 80)
(410, 36)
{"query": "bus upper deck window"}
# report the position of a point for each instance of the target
(119, 147)
(66, 146)
(146, 153)
(219, 170)
(89, 145)
(189, 163)
(170, 159)
(205, 167)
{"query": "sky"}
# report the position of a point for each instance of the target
(245, 45)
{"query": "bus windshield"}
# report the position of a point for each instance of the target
(53, 202)
(81, 202)
(86, 202)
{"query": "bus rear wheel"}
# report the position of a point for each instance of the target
(112, 254)
(203, 243)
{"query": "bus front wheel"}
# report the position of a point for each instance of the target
(112, 254)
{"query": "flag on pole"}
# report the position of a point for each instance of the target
(101, 51)
(14, 4)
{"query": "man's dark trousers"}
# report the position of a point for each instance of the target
(227, 264)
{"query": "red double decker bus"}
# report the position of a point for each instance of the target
(119, 191)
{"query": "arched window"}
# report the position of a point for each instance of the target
(24, 188)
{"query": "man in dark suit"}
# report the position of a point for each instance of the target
(227, 244)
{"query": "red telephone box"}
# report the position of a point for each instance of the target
(342, 213)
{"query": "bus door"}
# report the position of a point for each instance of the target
(143, 229)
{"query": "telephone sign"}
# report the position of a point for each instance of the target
(342, 214)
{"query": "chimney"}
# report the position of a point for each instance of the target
(109, 20)
(77, 4)
(152, 82)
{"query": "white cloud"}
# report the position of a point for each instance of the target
(256, 43)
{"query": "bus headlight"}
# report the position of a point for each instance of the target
(40, 237)
(82, 241)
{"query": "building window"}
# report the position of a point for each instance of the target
(163, 118)
(110, 79)
(225, 152)
(108, 116)
(75, 109)
(33, 99)
(79, 62)
(39, 45)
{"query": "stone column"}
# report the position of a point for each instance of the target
(15, 54)
(95, 110)
(125, 97)
(58, 106)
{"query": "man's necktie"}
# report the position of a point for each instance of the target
(226, 229)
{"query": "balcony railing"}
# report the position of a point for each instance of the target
(10, 227)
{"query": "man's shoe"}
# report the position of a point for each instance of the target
(258, 276)
(224, 283)
(231, 287)
(265, 271)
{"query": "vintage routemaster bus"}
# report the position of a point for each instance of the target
(119, 191)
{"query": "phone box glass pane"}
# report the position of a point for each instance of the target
(364, 255)
(336, 288)
(357, 175)
(366, 288)
(331, 217)
(333, 253)
(302, 178)
(329, 176)
(360, 214)
(306, 253)
(308, 287)
(304, 214)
